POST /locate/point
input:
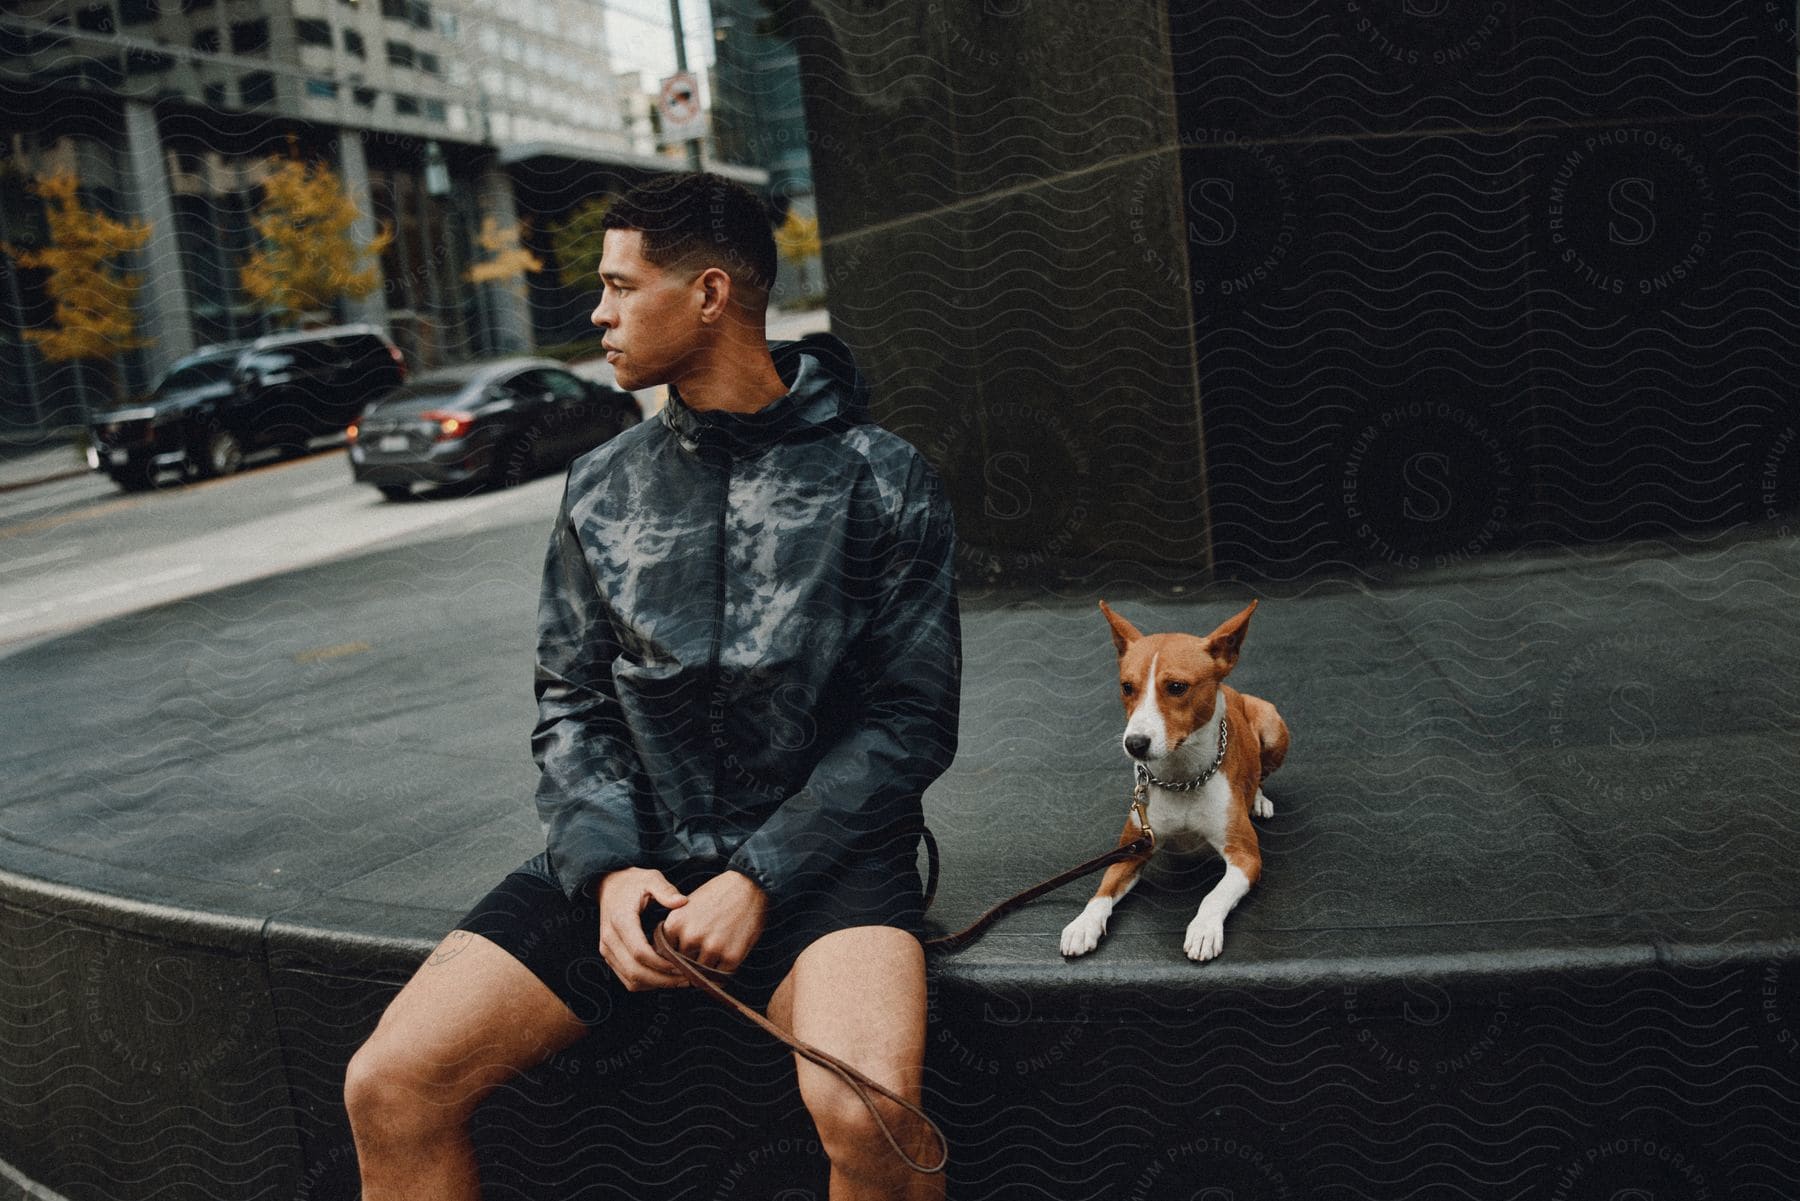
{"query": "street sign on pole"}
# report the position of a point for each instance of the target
(679, 102)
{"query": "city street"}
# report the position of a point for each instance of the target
(74, 552)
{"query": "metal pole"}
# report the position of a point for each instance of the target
(681, 65)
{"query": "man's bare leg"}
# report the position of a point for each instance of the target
(469, 1019)
(860, 995)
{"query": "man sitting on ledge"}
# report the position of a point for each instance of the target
(747, 674)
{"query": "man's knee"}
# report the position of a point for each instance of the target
(852, 1132)
(394, 1094)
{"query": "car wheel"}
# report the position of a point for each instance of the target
(524, 458)
(224, 454)
(395, 491)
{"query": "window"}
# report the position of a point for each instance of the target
(406, 106)
(206, 41)
(434, 111)
(562, 385)
(313, 33)
(190, 374)
(213, 94)
(419, 12)
(428, 63)
(364, 97)
(324, 89)
(194, 6)
(250, 37)
(394, 8)
(95, 19)
(399, 54)
(147, 62)
(138, 12)
(353, 44)
(256, 89)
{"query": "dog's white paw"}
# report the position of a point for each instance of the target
(1083, 934)
(1262, 806)
(1205, 938)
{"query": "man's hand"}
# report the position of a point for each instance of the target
(623, 896)
(721, 921)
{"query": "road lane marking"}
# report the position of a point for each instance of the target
(38, 500)
(41, 524)
(96, 594)
(52, 556)
(353, 524)
(317, 489)
(324, 653)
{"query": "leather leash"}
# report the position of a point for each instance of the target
(1138, 847)
(708, 981)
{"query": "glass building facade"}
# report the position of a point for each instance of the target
(435, 114)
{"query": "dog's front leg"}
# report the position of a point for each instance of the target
(1206, 933)
(1083, 934)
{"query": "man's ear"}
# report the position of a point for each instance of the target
(1123, 632)
(715, 293)
(1224, 643)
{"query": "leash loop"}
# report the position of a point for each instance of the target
(705, 979)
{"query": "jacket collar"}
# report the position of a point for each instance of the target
(825, 392)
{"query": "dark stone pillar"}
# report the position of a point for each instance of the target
(999, 197)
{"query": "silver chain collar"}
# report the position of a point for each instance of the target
(1144, 777)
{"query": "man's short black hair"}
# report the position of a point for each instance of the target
(700, 218)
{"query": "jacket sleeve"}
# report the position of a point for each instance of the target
(908, 675)
(581, 743)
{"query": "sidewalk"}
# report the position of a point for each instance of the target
(58, 457)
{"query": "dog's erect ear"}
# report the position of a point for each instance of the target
(1224, 643)
(1123, 632)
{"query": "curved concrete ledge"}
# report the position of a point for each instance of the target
(158, 1051)
(16, 1186)
(1488, 943)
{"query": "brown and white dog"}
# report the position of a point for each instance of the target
(1202, 790)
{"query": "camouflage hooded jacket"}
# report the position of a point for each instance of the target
(748, 642)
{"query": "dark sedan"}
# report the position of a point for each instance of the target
(492, 422)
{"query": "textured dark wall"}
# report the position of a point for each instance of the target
(1383, 284)
(1476, 274)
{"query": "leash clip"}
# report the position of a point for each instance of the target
(1140, 808)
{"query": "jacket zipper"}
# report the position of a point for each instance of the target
(718, 638)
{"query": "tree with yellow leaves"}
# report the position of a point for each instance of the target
(797, 241)
(93, 297)
(578, 240)
(507, 261)
(309, 257)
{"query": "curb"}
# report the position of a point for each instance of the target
(71, 473)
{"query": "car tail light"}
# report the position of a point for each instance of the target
(449, 424)
(399, 361)
(351, 431)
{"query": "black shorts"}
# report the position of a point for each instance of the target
(529, 917)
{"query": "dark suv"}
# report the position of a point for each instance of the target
(224, 403)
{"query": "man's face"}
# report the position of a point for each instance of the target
(650, 316)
